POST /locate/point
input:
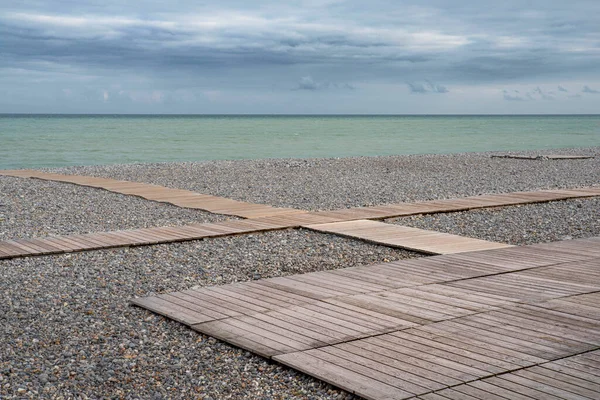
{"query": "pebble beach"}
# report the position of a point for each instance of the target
(68, 331)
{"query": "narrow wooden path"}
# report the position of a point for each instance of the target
(428, 242)
(420, 240)
(177, 197)
(461, 204)
(493, 324)
(136, 237)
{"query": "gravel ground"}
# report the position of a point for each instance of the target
(324, 184)
(68, 332)
(34, 208)
(518, 225)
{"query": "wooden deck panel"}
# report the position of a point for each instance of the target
(436, 322)
(469, 349)
(550, 380)
(407, 238)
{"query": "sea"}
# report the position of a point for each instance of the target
(34, 141)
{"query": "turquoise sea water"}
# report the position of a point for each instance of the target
(32, 141)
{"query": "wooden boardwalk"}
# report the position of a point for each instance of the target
(177, 197)
(503, 323)
(424, 241)
(428, 242)
(350, 222)
(461, 204)
(136, 237)
(221, 205)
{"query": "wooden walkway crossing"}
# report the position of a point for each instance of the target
(350, 222)
(220, 205)
(495, 324)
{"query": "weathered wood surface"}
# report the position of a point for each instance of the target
(177, 197)
(136, 237)
(185, 198)
(519, 322)
(421, 240)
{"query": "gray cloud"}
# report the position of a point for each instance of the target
(587, 89)
(62, 46)
(426, 87)
(512, 96)
(308, 83)
(530, 95)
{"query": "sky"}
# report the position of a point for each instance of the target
(300, 57)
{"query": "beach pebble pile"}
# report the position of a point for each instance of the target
(37, 208)
(325, 184)
(517, 225)
(68, 330)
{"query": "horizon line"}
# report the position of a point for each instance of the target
(293, 114)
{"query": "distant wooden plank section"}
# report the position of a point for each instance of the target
(462, 204)
(178, 197)
(407, 238)
(134, 237)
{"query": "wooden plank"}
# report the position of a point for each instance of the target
(567, 380)
(170, 310)
(405, 237)
(487, 340)
(22, 247)
(211, 310)
(408, 372)
(405, 382)
(484, 367)
(443, 348)
(427, 369)
(226, 302)
(519, 378)
(520, 388)
(299, 288)
(478, 347)
(11, 250)
(350, 381)
(30, 244)
(486, 386)
(256, 341)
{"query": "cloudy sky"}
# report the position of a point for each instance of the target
(300, 56)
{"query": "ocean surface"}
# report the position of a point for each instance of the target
(33, 141)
